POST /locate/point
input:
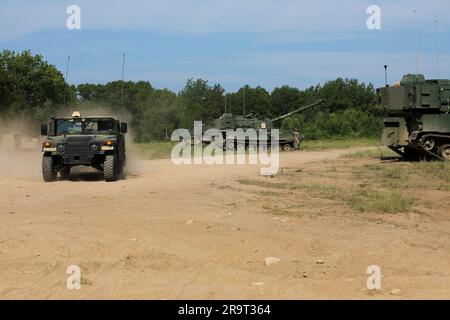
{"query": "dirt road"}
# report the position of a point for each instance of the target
(195, 232)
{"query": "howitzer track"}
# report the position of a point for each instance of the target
(434, 137)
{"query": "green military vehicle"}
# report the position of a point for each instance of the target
(288, 140)
(98, 142)
(418, 122)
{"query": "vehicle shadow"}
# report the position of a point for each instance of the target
(403, 159)
(392, 159)
(87, 174)
(84, 174)
(94, 176)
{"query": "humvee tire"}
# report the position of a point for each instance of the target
(110, 168)
(48, 169)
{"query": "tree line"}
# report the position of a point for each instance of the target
(33, 89)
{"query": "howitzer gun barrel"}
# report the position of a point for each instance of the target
(298, 110)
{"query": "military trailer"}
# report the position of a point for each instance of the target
(418, 121)
(98, 142)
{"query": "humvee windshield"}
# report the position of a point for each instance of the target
(85, 126)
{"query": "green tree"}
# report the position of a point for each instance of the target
(157, 117)
(30, 86)
(257, 101)
(285, 99)
(200, 101)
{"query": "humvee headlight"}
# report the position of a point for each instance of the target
(61, 148)
(107, 145)
(48, 146)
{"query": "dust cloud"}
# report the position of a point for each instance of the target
(20, 152)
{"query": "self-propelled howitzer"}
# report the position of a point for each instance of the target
(418, 121)
(288, 140)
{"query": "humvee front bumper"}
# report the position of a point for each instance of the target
(81, 158)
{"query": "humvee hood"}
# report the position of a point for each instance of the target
(81, 138)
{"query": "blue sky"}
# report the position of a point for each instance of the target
(256, 42)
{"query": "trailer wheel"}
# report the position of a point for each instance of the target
(48, 169)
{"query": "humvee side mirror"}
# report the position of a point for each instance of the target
(44, 130)
(123, 127)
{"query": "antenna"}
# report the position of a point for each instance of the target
(436, 40)
(385, 76)
(225, 103)
(66, 83)
(123, 74)
(245, 87)
(416, 41)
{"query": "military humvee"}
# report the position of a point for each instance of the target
(98, 142)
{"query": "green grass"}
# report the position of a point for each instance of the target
(380, 190)
(443, 187)
(316, 189)
(379, 152)
(85, 281)
(373, 186)
(432, 170)
(361, 198)
(266, 184)
(155, 149)
(432, 175)
(369, 200)
(162, 149)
